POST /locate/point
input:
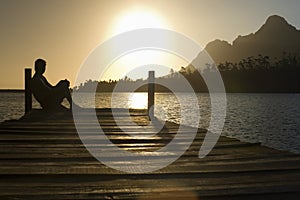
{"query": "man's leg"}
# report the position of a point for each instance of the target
(63, 91)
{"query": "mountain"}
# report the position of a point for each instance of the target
(272, 39)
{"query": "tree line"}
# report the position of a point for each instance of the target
(252, 74)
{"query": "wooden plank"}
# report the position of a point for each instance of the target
(45, 158)
(149, 187)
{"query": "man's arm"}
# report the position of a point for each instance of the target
(46, 83)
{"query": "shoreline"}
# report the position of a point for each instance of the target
(12, 90)
(239, 92)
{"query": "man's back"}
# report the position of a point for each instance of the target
(39, 87)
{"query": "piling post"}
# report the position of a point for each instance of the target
(28, 96)
(151, 94)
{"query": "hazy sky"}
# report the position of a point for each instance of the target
(64, 32)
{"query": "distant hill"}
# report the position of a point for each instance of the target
(272, 39)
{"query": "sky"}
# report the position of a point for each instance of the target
(65, 32)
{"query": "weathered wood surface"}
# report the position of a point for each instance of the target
(43, 158)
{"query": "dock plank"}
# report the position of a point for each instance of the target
(44, 158)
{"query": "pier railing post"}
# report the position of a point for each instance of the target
(151, 91)
(28, 96)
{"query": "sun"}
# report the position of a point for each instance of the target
(136, 19)
(132, 19)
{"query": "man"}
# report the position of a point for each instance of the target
(50, 97)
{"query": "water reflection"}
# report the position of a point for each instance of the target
(137, 100)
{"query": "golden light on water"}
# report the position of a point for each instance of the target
(138, 100)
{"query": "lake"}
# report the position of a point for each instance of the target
(271, 119)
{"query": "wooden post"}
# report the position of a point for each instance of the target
(28, 96)
(151, 94)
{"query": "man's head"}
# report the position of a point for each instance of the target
(40, 66)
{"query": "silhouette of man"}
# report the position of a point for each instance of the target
(50, 97)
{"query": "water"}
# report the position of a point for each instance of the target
(271, 119)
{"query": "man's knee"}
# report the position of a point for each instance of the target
(63, 84)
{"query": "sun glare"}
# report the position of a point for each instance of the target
(136, 19)
(130, 64)
(132, 19)
(138, 100)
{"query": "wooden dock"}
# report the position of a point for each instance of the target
(43, 158)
